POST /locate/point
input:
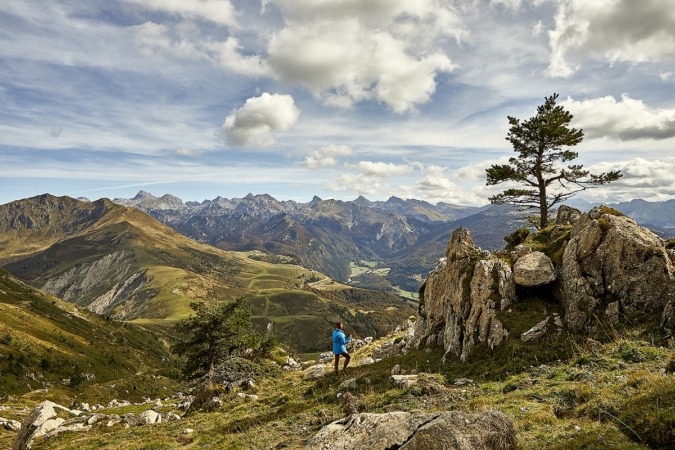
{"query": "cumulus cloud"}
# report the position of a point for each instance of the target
(627, 119)
(642, 178)
(327, 156)
(256, 122)
(354, 50)
(615, 30)
(434, 181)
(218, 11)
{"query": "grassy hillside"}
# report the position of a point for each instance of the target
(619, 394)
(48, 343)
(121, 263)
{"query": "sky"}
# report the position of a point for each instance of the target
(333, 98)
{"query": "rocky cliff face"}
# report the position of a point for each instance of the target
(460, 299)
(612, 271)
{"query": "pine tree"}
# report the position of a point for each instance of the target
(542, 143)
(214, 333)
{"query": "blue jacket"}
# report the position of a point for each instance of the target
(340, 341)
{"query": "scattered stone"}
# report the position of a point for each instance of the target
(149, 417)
(250, 397)
(315, 372)
(172, 417)
(405, 381)
(118, 404)
(347, 384)
(396, 370)
(9, 424)
(366, 361)
(113, 420)
(95, 418)
(463, 382)
(550, 324)
(43, 419)
(187, 431)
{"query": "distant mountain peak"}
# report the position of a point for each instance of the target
(143, 195)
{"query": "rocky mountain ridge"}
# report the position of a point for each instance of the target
(406, 237)
(326, 235)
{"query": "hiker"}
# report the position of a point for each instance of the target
(340, 346)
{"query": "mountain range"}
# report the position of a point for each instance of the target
(123, 264)
(405, 238)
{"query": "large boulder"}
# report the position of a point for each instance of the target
(424, 431)
(459, 300)
(533, 269)
(42, 420)
(614, 270)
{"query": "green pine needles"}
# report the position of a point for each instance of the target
(542, 143)
(216, 332)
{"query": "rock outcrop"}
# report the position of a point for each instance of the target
(408, 431)
(460, 299)
(614, 270)
(42, 420)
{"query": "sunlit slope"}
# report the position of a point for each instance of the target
(124, 264)
(45, 342)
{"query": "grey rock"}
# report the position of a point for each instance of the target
(463, 382)
(405, 381)
(315, 372)
(149, 417)
(43, 419)
(459, 301)
(551, 323)
(533, 269)
(608, 259)
(567, 215)
(407, 431)
(520, 251)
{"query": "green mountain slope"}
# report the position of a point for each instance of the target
(121, 263)
(47, 342)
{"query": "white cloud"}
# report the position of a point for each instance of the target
(370, 178)
(628, 119)
(354, 50)
(614, 30)
(665, 76)
(187, 42)
(382, 169)
(327, 156)
(256, 122)
(218, 11)
(648, 179)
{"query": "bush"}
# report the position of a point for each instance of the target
(516, 238)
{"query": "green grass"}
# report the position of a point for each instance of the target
(596, 398)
